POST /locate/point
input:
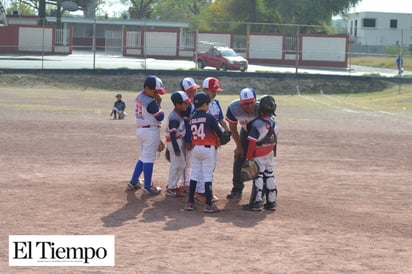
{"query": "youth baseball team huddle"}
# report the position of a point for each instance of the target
(194, 130)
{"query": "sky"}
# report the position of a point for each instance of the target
(398, 6)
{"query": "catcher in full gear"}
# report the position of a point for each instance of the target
(262, 139)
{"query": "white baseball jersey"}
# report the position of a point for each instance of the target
(147, 109)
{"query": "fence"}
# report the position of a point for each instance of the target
(286, 45)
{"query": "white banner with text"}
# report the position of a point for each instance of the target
(61, 250)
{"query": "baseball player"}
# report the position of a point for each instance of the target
(175, 133)
(149, 116)
(119, 108)
(211, 86)
(240, 111)
(262, 139)
(189, 86)
(205, 132)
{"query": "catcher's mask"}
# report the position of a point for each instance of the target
(267, 105)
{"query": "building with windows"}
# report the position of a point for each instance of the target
(380, 29)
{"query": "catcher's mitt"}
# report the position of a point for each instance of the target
(250, 170)
(167, 155)
(161, 146)
(225, 138)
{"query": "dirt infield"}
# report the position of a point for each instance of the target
(344, 180)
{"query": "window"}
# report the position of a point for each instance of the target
(369, 23)
(393, 24)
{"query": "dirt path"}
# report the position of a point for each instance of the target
(344, 192)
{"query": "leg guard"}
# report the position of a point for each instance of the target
(257, 189)
(270, 186)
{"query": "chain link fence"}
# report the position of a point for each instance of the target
(91, 39)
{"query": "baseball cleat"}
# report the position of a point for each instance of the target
(234, 195)
(189, 206)
(211, 209)
(134, 187)
(174, 192)
(270, 206)
(256, 206)
(152, 190)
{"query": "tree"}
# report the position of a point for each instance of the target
(308, 13)
(271, 15)
(141, 9)
(179, 10)
(87, 6)
(26, 10)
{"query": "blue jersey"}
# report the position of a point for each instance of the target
(175, 129)
(204, 129)
(120, 105)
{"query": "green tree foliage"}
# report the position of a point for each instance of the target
(309, 13)
(25, 9)
(263, 14)
(141, 9)
(179, 10)
(87, 6)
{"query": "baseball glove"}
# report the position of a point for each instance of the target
(161, 146)
(225, 138)
(250, 170)
(167, 155)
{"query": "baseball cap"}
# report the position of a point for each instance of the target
(247, 95)
(155, 83)
(188, 84)
(118, 95)
(212, 83)
(200, 99)
(179, 97)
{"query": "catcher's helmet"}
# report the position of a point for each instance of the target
(200, 99)
(267, 105)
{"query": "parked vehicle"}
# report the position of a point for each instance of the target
(223, 58)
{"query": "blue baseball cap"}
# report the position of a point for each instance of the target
(200, 99)
(179, 97)
(155, 83)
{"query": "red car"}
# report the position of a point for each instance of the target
(223, 58)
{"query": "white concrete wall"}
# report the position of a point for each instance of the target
(265, 47)
(207, 39)
(160, 43)
(331, 49)
(35, 39)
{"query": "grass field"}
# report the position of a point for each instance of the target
(380, 62)
(397, 101)
(394, 100)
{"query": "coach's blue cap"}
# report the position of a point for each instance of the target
(155, 83)
(200, 99)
